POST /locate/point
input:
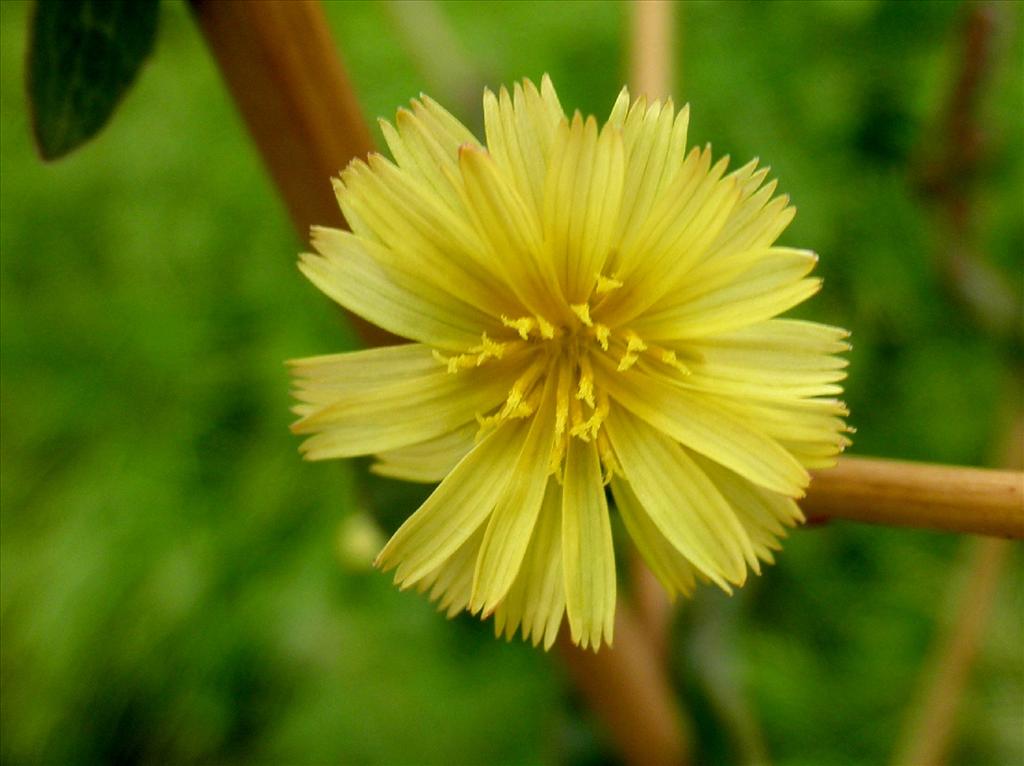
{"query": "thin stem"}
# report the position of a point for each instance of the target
(438, 54)
(949, 179)
(930, 732)
(652, 47)
(903, 494)
(652, 51)
(712, 649)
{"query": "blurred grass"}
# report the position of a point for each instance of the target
(171, 586)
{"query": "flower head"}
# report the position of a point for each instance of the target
(590, 306)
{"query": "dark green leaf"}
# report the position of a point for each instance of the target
(83, 55)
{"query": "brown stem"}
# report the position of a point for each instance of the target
(281, 66)
(903, 494)
(627, 688)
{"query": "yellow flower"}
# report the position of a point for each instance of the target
(590, 306)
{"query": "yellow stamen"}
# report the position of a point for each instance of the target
(606, 284)
(547, 330)
(590, 428)
(522, 325)
(558, 450)
(582, 310)
(576, 414)
(627, 360)
(634, 347)
(667, 356)
(474, 357)
(526, 408)
(608, 461)
(521, 388)
(585, 390)
(634, 342)
(562, 398)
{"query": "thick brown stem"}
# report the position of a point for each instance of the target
(902, 494)
(281, 66)
(627, 688)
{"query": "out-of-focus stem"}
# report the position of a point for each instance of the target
(712, 648)
(652, 47)
(628, 689)
(281, 66)
(931, 726)
(949, 178)
(904, 494)
(930, 733)
(435, 49)
(652, 54)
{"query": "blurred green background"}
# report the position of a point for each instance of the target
(178, 586)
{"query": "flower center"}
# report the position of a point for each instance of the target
(564, 353)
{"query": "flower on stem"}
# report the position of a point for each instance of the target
(589, 306)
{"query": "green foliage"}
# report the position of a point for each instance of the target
(171, 586)
(83, 56)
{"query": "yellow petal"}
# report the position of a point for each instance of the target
(550, 97)
(756, 221)
(765, 515)
(403, 412)
(790, 336)
(363, 278)
(511, 234)
(511, 525)
(705, 427)
(425, 237)
(426, 148)
(759, 374)
(687, 180)
(673, 570)
(428, 461)
(520, 130)
(800, 419)
(620, 108)
(654, 141)
(680, 499)
(456, 509)
(536, 601)
(321, 380)
(815, 454)
(773, 284)
(450, 584)
(673, 239)
(588, 556)
(582, 195)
